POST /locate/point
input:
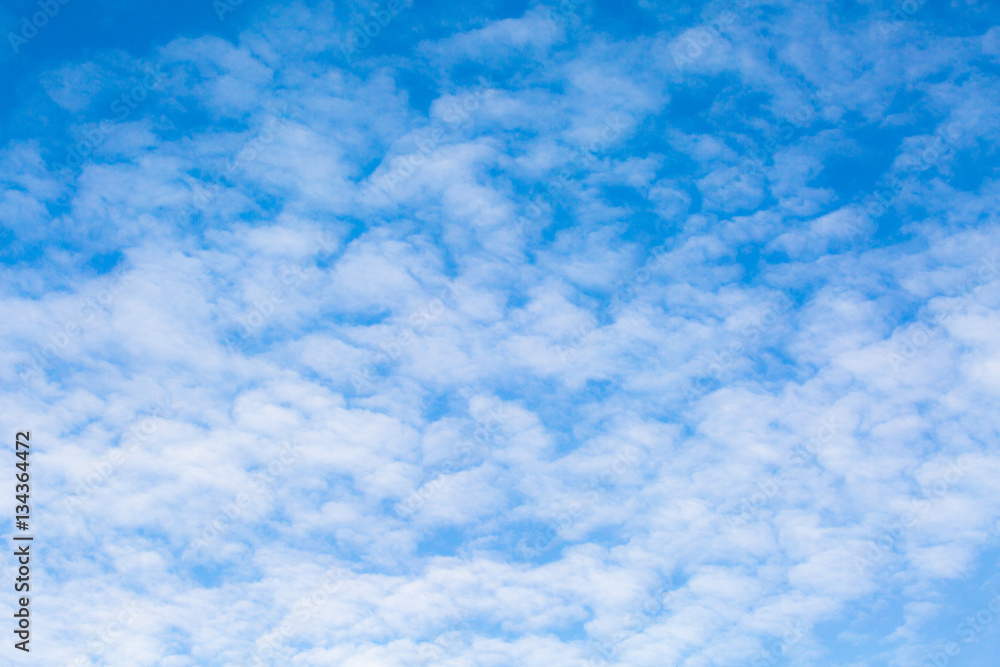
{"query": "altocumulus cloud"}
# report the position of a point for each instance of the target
(640, 336)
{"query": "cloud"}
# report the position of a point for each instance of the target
(505, 340)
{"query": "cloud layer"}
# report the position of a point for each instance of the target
(567, 337)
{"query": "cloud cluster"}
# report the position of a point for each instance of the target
(599, 340)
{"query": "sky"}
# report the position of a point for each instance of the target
(549, 335)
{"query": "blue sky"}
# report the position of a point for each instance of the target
(509, 334)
